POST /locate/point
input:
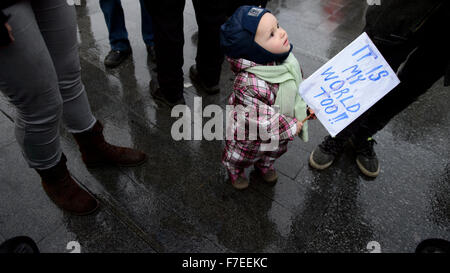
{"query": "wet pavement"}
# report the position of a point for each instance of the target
(180, 200)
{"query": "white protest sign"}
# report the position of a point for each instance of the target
(349, 84)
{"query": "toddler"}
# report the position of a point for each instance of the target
(267, 80)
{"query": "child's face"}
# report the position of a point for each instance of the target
(271, 36)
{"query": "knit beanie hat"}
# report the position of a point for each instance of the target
(237, 37)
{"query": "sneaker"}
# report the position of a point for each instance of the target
(200, 84)
(116, 57)
(240, 183)
(324, 154)
(156, 93)
(366, 159)
(151, 52)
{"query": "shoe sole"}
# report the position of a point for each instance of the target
(201, 88)
(101, 165)
(316, 165)
(240, 187)
(271, 181)
(112, 65)
(367, 172)
(79, 213)
(119, 63)
(159, 99)
(260, 176)
(85, 213)
(163, 101)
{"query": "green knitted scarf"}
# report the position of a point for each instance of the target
(289, 77)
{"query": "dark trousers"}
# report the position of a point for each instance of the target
(427, 57)
(167, 16)
(234, 4)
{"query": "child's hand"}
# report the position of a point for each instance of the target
(299, 127)
(310, 111)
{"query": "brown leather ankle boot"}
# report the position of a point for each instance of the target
(65, 192)
(96, 152)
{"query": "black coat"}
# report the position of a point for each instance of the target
(404, 21)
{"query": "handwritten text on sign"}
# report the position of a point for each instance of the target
(349, 84)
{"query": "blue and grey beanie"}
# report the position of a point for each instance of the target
(237, 37)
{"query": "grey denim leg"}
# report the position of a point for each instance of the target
(58, 25)
(40, 74)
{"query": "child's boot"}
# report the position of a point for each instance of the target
(270, 176)
(239, 181)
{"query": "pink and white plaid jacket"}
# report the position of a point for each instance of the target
(249, 90)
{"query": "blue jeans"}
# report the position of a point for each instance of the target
(115, 21)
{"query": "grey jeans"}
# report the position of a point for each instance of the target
(40, 75)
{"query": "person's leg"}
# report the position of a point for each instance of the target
(236, 157)
(167, 18)
(147, 26)
(232, 159)
(234, 4)
(29, 79)
(115, 22)
(210, 16)
(118, 35)
(265, 163)
(426, 63)
(395, 51)
(426, 56)
(422, 69)
(147, 32)
(58, 27)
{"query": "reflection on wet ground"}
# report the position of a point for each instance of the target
(180, 201)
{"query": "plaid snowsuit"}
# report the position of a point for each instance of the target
(249, 90)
